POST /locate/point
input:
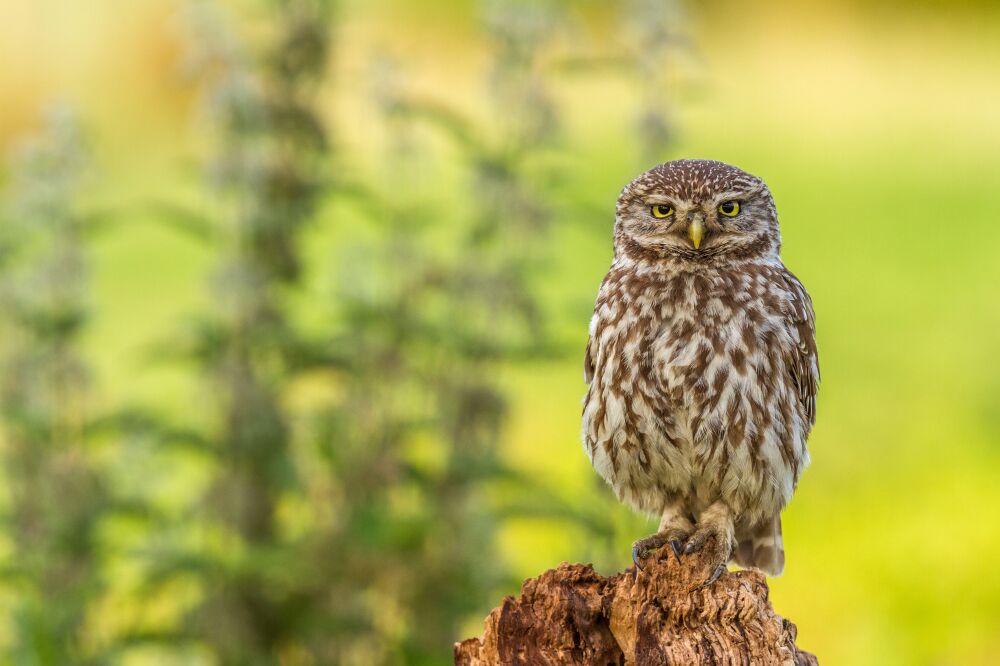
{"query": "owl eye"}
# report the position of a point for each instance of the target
(729, 208)
(662, 210)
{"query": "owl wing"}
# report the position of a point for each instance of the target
(804, 362)
(588, 363)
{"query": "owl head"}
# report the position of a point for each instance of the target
(697, 210)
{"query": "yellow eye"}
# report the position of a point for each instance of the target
(729, 208)
(662, 210)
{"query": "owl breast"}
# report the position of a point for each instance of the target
(689, 398)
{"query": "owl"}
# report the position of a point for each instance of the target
(702, 366)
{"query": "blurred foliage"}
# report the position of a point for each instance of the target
(425, 331)
(264, 590)
(56, 495)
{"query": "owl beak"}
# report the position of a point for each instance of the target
(696, 231)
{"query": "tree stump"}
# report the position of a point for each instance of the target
(573, 615)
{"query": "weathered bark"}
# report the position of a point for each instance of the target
(573, 615)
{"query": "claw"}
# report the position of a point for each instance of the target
(643, 547)
(719, 570)
(637, 556)
(675, 546)
(692, 546)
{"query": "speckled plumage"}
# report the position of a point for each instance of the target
(702, 365)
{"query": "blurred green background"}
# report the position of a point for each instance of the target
(296, 294)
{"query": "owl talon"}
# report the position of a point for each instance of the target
(637, 555)
(675, 545)
(719, 570)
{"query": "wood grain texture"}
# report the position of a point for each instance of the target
(573, 615)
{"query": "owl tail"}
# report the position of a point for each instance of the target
(763, 548)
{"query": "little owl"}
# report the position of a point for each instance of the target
(702, 366)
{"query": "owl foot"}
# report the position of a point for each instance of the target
(642, 547)
(714, 537)
(675, 536)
